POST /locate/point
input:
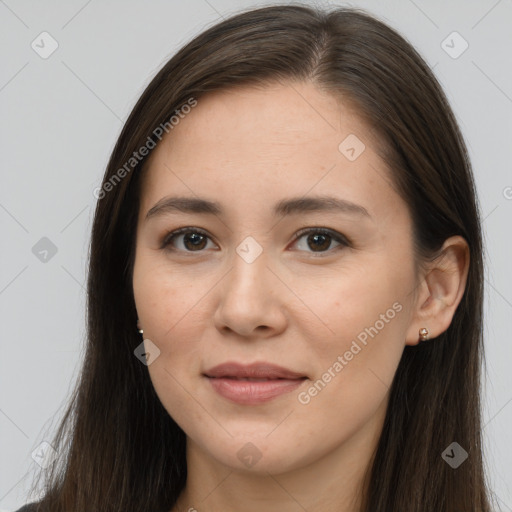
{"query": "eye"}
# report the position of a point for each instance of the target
(320, 239)
(194, 239)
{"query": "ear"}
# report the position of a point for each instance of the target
(440, 291)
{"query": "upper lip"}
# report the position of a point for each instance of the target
(258, 370)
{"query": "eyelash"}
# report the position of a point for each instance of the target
(338, 237)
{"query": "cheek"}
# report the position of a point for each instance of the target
(171, 311)
(353, 306)
(168, 309)
(165, 299)
(364, 319)
(355, 366)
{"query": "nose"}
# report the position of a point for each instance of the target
(250, 301)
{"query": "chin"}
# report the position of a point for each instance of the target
(259, 455)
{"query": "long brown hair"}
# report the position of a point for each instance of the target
(119, 448)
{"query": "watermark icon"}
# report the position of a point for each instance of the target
(304, 397)
(44, 250)
(44, 455)
(507, 193)
(147, 352)
(454, 45)
(249, 455)
(454, 455)
(44, 45)
(351, 147)
(143, 151)
(249, 249)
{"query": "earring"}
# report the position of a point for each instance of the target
(141, 331)
(423, 334)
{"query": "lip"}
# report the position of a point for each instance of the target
(230, 380)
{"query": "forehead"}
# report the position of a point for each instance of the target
(265, 142)
(273, 116)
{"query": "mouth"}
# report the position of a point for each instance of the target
(254, 371)
(248, 379)
(253, 384)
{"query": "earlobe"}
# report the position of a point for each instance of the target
(441, 290)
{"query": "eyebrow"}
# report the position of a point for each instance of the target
(291, 206)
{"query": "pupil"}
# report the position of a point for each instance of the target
(195, 239)
(316, 237)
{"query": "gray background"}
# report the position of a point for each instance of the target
(61, 117)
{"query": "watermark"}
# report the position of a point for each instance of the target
(351, 147)
(143, 151)
(507, 192)
(249, 455)
(304, 397)
(249, 249)
(44, 455)
(44, 250)
(44, 45)
(454, 45)
(454, 455)
(147, 352)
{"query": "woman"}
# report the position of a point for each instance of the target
(285, 285)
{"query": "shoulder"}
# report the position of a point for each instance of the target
(31, 507)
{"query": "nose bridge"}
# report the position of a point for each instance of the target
(248, 275)
(247, 300)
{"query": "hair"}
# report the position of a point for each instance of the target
(119, 448)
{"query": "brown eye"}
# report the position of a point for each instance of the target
(192, 240)
(319, 240)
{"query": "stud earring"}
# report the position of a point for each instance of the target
(423, 334)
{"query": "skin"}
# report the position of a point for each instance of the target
(295, 305)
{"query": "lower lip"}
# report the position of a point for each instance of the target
(253, 392)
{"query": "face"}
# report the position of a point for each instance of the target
(275, 275)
